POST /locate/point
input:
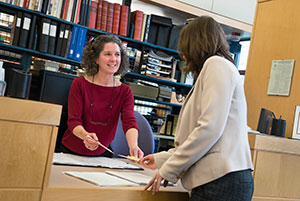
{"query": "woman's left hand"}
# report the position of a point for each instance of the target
(136, 152)
(155, 183)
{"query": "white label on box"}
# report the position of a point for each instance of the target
(52, 30)
(26, 24)
(46, 27)
(18, 24)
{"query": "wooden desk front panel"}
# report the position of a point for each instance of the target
(111, 194)
(277, 175)
(20, 194)
(24, 151)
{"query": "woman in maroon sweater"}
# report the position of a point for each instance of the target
(97, 99)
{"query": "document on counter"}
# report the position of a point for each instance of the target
(101, 179)
(87, 161)
(113, 178)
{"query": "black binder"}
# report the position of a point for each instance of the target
(17, 28)
(32, 34)
(60, 39)
(25, 29)
(45, 6)
(52, 36)
(67, 34)
(157, 23)
(44, 30)
(174, 36)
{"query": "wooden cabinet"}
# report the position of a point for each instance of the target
(28, 132)
(276, 167)
(275, 36)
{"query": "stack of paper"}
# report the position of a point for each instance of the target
(101, 179)
(69, 159)
(113, 178)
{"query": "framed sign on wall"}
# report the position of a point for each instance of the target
(296, 126)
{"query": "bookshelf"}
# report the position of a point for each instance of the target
(27, 54)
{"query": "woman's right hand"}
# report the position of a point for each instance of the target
(148, 162)
(89, 143)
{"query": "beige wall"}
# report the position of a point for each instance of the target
(275, 36)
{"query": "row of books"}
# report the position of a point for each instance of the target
(110, 17)
(76, 11)
(48, 36)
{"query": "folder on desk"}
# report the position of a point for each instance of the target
(101, 179)
(98, 161)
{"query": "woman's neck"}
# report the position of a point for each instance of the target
(104, 80)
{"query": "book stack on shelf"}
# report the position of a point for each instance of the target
(46, 65)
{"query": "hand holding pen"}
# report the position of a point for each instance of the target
(90, 141)
(148, 162)
(120, 155)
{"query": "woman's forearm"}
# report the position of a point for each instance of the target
(132, 137)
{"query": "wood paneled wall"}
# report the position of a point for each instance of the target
(275, 36)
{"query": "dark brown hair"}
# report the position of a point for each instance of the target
(199, 40)
(94, 47)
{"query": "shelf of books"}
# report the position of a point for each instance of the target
(50, 35)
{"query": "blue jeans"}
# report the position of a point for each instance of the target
(234, 186)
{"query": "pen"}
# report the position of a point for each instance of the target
(127, 157)
(101, 144)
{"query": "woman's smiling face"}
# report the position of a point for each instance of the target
(109, 58)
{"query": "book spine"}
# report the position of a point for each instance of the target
(65, 11)
(52, 36)
(67, 33)
(110, 16)
(116, 18)
(44, 6)
(44, 35)
(73, 42)
(93, 14)
(99, 14)
(81, 42)
(78, 8)
(17, 28)
(32, 32)
(60, 38)
(123, 20)
(25, 30)
(70, 9)
(144, 26)
(104, 15)
(73, 11)
(138, 23)
(147, 27)
(87, 15)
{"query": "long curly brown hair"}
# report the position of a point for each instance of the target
(92, 51)
(199, 40)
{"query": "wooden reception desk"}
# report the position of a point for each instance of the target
(66, 188)
(28, 133)
(276, 167)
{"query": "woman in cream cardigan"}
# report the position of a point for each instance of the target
(211, 155)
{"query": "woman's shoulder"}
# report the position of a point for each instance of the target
(124, 87)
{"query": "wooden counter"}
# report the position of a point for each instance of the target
(276, 167)
(28, 132)
(62, 187)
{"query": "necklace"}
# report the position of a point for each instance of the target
(92, 104)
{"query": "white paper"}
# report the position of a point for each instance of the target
(135, 177)
(69, 159)
(281, 77)
(296, 127)
(100, 179)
